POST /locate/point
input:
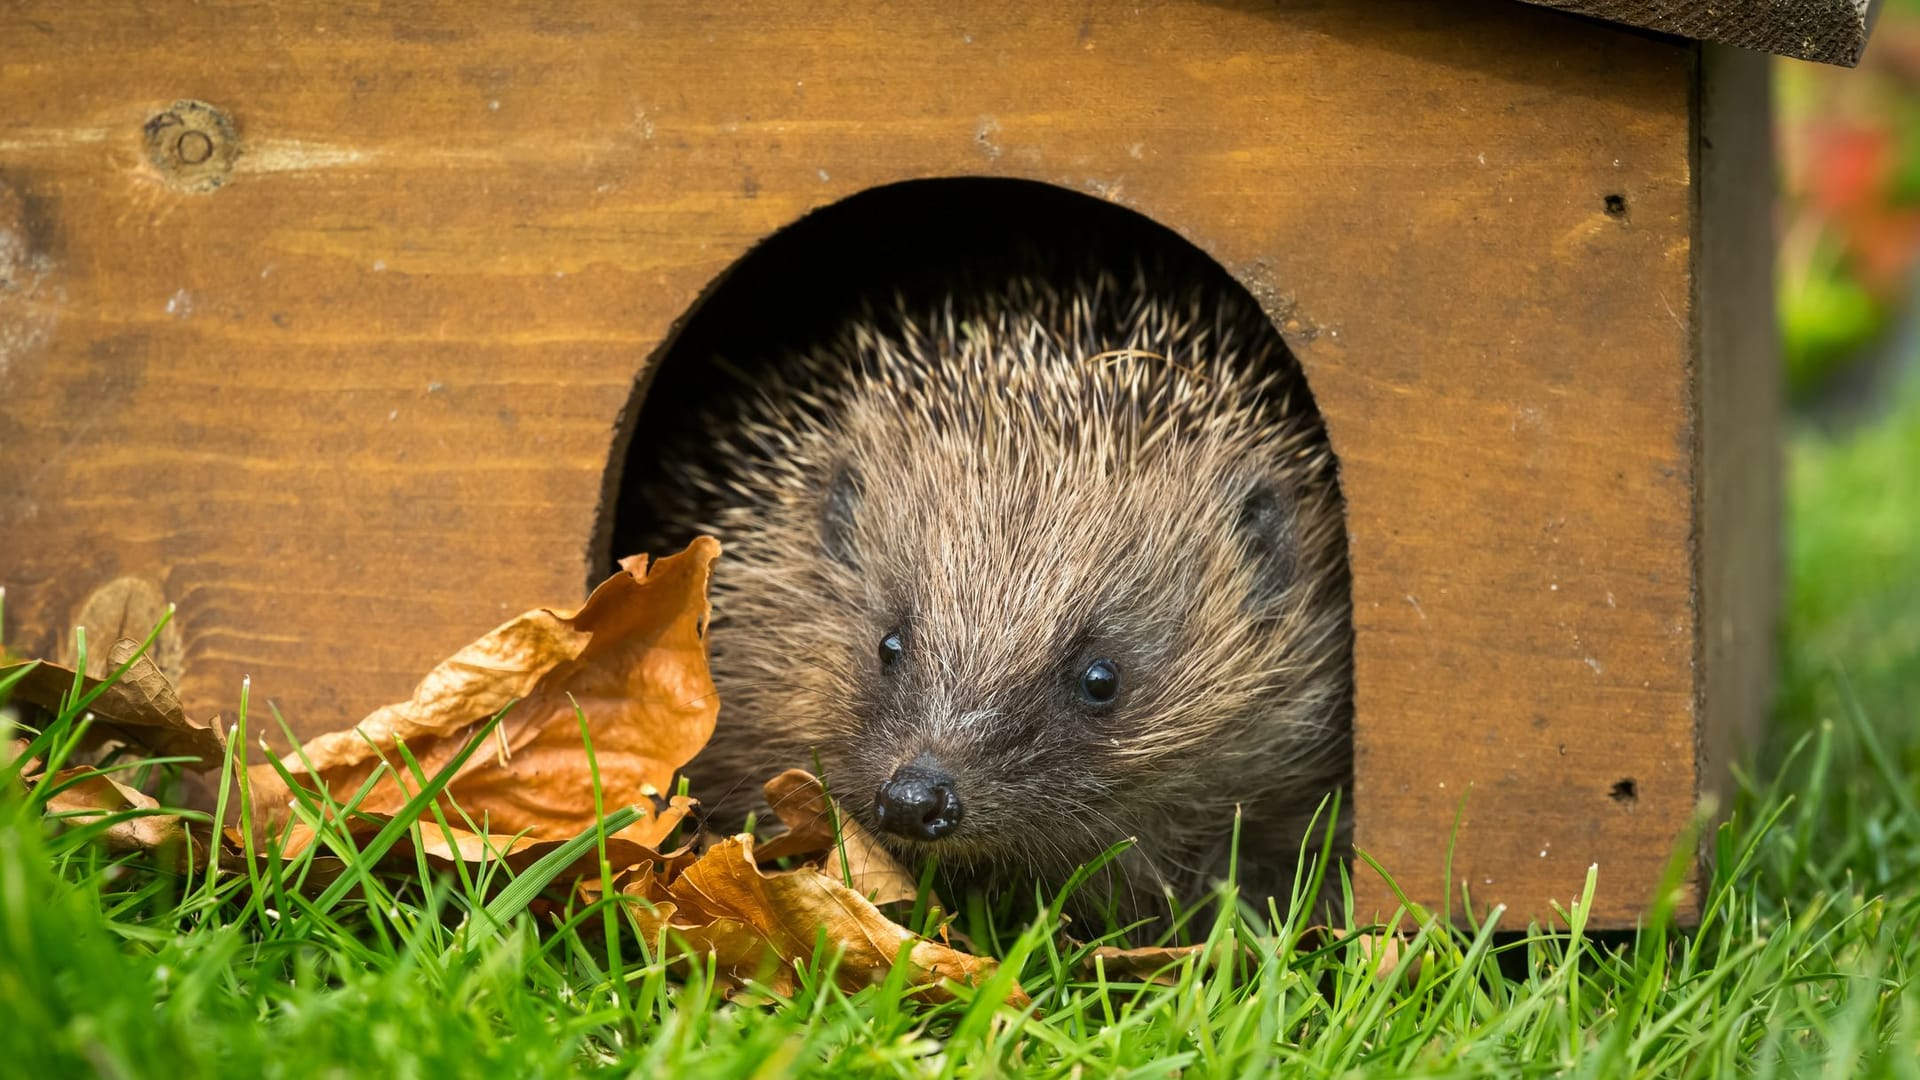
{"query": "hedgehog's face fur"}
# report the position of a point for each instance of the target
(1067, 698)
(1091, 598)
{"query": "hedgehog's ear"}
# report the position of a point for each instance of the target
(1268, 525)
(837, 510)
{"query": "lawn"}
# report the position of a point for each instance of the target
(1802, 964)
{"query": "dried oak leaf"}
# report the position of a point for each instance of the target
(632, 852)
(120, 608)
(802, 803)
(1156, 964)
(764, 924)
(140, 708)
(13, 751)
(634, 846)
(633, 658)
(1382, 952)
(86, 795)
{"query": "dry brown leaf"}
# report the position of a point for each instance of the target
(761, 924)
(125, 607)
(15, 749)
(1382, 950)
(633, 658)
(801, 801)
(141, 708)
(90, 795)
(443, 848)
(1156, 964)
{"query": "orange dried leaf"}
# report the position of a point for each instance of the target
(1382, 951)
(802, 803)
(90, 795)
(763, 925)
(443, 847)
(1157, 964)
(141, 707)
(16, 749)
(634, 660)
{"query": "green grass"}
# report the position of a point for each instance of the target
(1803, 965)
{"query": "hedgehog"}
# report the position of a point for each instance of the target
(1038, 567)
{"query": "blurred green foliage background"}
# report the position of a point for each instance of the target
(1849, 266)
(1850, 222)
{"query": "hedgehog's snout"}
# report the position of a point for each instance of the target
(919, 801)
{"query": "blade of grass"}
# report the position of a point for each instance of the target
(402, 820)
(535, 879)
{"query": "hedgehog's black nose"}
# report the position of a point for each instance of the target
(919, 802)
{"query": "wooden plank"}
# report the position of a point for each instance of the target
(1830, 31)
(1740, 390)
(360, 400)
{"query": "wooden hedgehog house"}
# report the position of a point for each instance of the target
(333, 328)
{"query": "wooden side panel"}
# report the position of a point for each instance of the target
(1740, 404)
(337, 363)
(1830, 31)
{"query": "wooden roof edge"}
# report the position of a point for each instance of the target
(1827, 31)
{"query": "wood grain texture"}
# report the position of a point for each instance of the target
(357, 402)
(1829, 31)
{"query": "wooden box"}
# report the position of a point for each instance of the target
(330, 325)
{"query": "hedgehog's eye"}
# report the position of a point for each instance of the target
(891, 648)
(1100, 683)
